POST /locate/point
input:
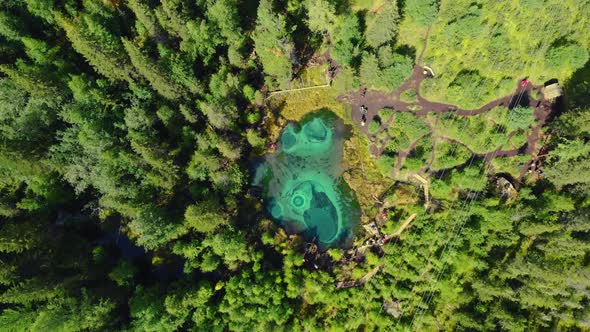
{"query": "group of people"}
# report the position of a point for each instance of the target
(363, 109)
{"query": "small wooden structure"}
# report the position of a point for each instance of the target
(552, 91)
(427, 71)
(425, 186)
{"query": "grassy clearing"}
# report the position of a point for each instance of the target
(294, 105)
(547, 39)
(311, 76)
(345, 81)
(418, 15)
(413, 34)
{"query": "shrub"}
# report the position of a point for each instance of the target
(421, 11)
(520, 118)
(570, 54)
(253, 117)
(385, 115)
(448, 154)
(409, 96)
(374, 126)
(386, 163)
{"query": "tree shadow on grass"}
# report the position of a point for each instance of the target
(577, 88)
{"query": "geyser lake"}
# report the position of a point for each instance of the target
(304, 191)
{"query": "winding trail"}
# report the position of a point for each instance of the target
(377, 100)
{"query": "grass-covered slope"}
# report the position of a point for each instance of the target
(479, 49)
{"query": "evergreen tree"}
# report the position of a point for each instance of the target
(102, 50)
(151, 71)
(273, 45)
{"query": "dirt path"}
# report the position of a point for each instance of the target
(377, 100)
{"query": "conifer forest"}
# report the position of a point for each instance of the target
(294, 165)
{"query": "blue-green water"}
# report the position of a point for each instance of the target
(304, 190)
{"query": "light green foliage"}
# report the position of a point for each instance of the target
(569, 163)
(520, 118)
(24, 116)
(345, 81)
(448, 155)
(41, 8)
(420, 155)
(153, 227)
(566, 54)
(253, 117)
(55, 310)
(346, 38)
(11, 27)
(205, 217)
(487, 68)
(470, 178)
(511, 165)
(374, 126)
(441, 189)
(385, 115)
(421, 11)
(226, 16)
(219, 112)
(146, 16)
(203, 165)
(480, 133)
(248, 92)
(180, 67)
(321, 15)
(273, 45)
(387, 71)
(73, 315)
(408, 96)
(229, 248)
(404, 129)
(133, 118)
(386, 164)
(123, 273)
(369, 71)
(254, 301)
(382, 26)
(255, 140)
(149, 312)
(228, 149)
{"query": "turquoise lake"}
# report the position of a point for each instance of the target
(303, 188)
